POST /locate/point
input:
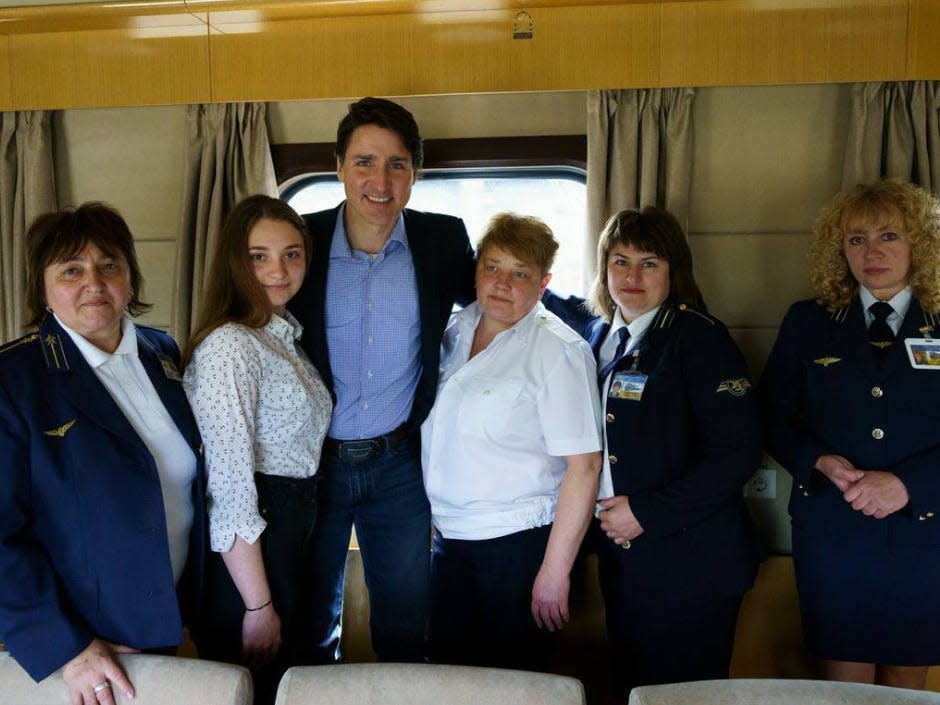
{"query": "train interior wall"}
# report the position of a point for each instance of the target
(765, 160)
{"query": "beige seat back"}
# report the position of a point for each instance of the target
(423, 684)
(749, 691)
(159, 680)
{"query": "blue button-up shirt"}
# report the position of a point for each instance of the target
(373, 334)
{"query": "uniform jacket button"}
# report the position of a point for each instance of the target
(877, 434)
(877, 392)
(612, 459)
(610, 418)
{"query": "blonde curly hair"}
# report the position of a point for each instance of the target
(918, 210)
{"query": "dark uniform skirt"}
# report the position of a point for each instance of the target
(870, 602)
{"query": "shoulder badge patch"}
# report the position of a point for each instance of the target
(735, 387)
(33, 337)
(61, 430)
(826, 361)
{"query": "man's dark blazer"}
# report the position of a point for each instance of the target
(683, 453)
(83, 542)
(824, 392)
(444, 273)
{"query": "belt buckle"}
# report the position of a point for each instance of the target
(357, 451)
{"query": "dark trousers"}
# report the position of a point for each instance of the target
(289, 507)
(659, 637)
(384, 497)
(481, 597)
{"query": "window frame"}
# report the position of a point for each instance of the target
(294, 161)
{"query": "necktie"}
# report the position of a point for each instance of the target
(624, 334)
(880, 334)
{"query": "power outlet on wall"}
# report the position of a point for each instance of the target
(763, 484)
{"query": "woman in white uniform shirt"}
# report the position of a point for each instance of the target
(263, 411)
(510, 457)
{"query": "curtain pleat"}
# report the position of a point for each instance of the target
(228, 157)
(27, 190)
(893, 132)
(639, 153)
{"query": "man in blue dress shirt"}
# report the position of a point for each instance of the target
(380, 289)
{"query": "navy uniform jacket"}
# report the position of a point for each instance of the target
(682, 454)
(83, 544)
(823, 392)
(444, 273)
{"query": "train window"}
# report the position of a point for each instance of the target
(472, 178)
(556, 195)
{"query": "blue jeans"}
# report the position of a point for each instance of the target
(384, 497)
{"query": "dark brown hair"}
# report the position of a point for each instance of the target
(384, 113)
(647, 230)
(233, 293)
(60, 236)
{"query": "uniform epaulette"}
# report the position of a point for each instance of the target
(689, 309)
(558, 327)
(25, 340)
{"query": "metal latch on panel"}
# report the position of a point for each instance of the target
(522, 26)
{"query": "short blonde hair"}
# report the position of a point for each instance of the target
(919, 212)
(525, 236)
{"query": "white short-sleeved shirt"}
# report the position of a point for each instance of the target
(492, 445)
(261, 407)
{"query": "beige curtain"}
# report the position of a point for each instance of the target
(894, 131)
(27, 189)
(228, 157)
(639, 153)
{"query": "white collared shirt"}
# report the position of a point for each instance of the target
(494, 443)
(123, 375)
(637, 328)
(261, 407)
(900, 303)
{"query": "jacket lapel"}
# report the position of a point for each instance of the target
(914, 320)
(851, 337)
(420, 244)
(169, 390)
(596, 334)
(79, 384)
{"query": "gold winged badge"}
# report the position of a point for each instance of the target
(61, 430)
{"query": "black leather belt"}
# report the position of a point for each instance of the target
(367, 447)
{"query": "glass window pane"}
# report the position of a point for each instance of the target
(559, 200)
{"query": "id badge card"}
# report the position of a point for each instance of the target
(627, 384)
(924, 353)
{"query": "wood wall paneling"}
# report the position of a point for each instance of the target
(923, 60)
(431, 53)
(577, 48)
(304, 58)
(110, 67)
(737, 42)
(6, 79)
